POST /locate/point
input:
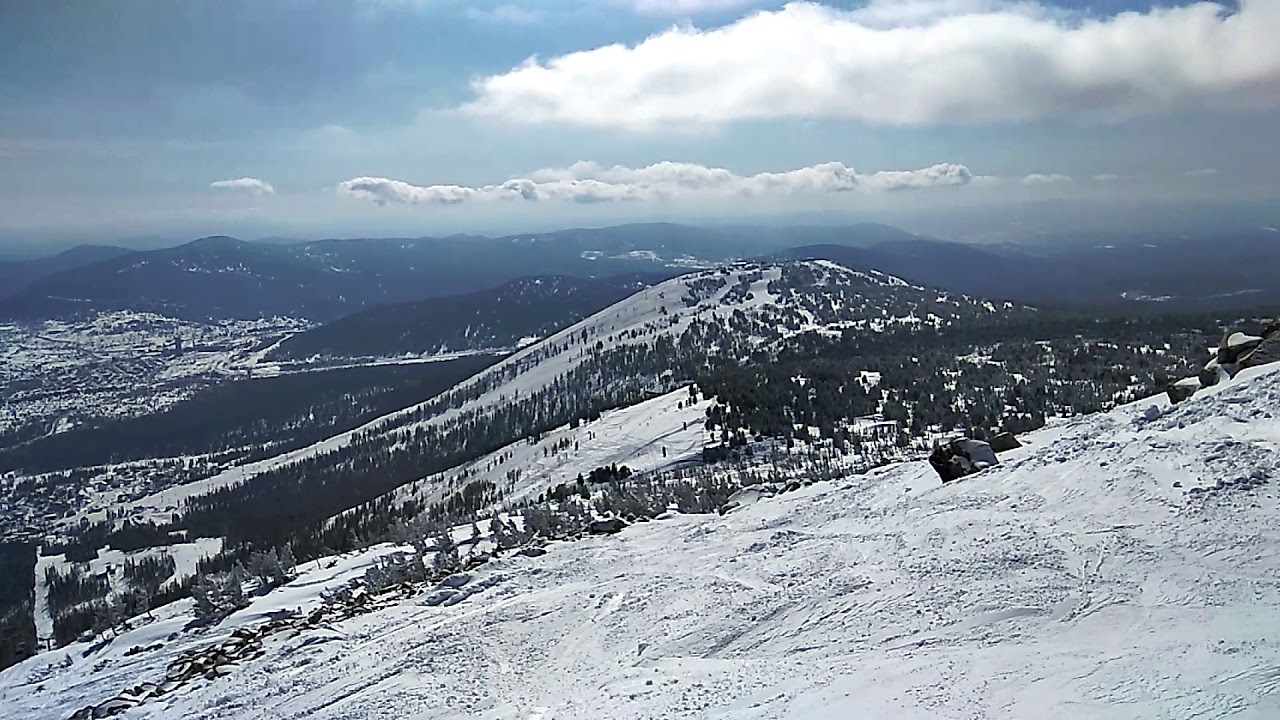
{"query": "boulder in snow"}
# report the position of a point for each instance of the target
(606, 526)
(1005, 442)
(1267, 351)
(748, 495)
(961, 456)
(456, 580)
(1182, 389)
(1235, 346)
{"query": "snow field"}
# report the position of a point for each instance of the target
(1121, 565)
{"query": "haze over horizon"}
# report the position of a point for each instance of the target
(430, 117)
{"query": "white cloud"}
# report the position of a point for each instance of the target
(1202, 172)
(1106, 177)
(1045, 179)
(589, 182)
(248, 184)
(913, 62)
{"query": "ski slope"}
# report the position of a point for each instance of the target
(660, 432)
(1121, 565)
(110, 564)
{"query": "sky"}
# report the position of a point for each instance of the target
(309, 118)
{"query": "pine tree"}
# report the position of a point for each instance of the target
(446, 559)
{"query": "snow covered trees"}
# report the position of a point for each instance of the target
(446, 558)
(217, 596)
(272, 568)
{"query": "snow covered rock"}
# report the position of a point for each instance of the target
(1237, 351)
(960, 457)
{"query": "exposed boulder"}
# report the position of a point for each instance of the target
(1267, 351)
(1214, 372)
(743, 497)
(456, 580)
(114, 706)
(606, 526)
(1005, 442)
(1182, 389)
(961, 456)
(1236, 345)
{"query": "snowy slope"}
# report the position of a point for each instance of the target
(656, 433)
(766, 302)
(1122, 565)
(110, 563)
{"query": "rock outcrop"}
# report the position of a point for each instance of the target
(961, 456)
(1235, 352)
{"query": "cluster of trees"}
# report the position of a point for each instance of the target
(150, 572)
(1010, 373)
(17, 620)
(71, 587)
(291, 502)
(217, 594)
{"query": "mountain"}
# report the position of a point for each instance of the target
(16, 275)
(221, 277)
(1162, 271)
(644, 345)
(517, 312)
(1076, 573)
(971, 269)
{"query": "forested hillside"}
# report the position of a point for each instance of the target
(518, 312)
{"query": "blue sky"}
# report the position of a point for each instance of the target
(317, 117)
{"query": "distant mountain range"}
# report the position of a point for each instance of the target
(16, 275)
(1150, 271)
(221, 277)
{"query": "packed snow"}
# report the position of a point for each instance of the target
(1121, 565)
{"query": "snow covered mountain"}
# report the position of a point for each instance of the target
(638, 348)
(1118, 565)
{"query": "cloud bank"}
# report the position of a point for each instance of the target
(246, 184)
(905, 62)
(1046, 179)
(589, 182)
